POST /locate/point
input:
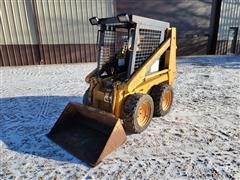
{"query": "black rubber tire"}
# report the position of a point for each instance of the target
(85, 98)
(130, 112)
(157, 94)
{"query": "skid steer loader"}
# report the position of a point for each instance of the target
(133, 81)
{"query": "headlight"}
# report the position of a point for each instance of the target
(123, 18)
(94, 20)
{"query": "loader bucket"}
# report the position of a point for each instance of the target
(87, 133)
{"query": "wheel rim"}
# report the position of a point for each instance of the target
(166, 102)
(143, 113)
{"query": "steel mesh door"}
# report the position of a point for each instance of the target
(148, 42)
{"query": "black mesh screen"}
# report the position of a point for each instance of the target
(148, 41)
(114, 40)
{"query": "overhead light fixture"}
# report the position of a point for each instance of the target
(123, 18)
(94, 20)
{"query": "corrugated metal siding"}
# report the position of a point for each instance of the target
(18, 36)
(229, 17)
(49, 32)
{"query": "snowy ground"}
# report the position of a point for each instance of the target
(199, 138)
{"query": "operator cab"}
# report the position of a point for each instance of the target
(125, 42)
(114, 54)
(115, 40)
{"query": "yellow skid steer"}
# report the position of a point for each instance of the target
(132, 82)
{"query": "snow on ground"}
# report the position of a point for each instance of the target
(198, 139)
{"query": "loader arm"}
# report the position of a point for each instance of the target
(140, 80)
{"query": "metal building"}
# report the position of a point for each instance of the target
(225, 27)
(49, 32)
(58, 31)
(190, 17)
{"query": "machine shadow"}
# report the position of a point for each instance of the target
(227, 61)
(25, 122)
